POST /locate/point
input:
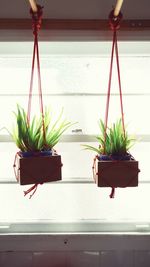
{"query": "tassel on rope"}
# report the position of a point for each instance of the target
(33, 188)
(112, 194)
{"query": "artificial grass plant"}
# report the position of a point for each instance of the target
(30, 137)
(114, 141)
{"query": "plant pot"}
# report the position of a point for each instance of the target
(120, 173)
(38, 169)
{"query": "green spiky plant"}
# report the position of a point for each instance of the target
(29, 137)
(114, 141)
(53, 130)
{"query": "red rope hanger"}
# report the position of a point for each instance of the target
(36, 25)
(114, 23)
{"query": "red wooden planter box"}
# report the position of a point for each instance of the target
(41, 169)
(117, 173)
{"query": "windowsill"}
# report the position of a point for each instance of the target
(75, 227)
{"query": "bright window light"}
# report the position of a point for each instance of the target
(75, 76)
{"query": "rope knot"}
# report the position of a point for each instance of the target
(36, 19)
(114, 22)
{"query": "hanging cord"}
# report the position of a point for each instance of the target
(36, 25)
(114, 23)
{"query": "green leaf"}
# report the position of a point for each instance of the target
(88, 147)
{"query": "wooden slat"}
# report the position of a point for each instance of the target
(117, 7)
(33, 5)
(67, 24)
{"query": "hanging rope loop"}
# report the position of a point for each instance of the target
(36, 19)
(36, 25)
(114, 22)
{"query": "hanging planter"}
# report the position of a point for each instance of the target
(38, 169)
(117, 174)
(115, 166)
(37, 162)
